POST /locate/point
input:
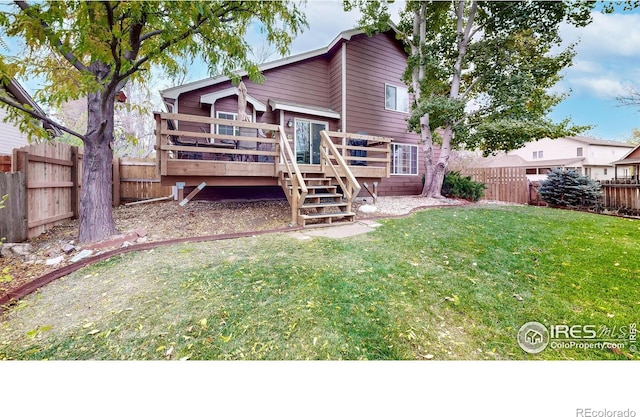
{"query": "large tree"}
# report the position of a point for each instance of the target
(480, 73)
(93, 49)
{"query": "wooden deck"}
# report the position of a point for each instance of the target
(262, 155)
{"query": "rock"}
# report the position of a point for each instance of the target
(126, 244)
(141, 232)
(142, 239)
(82, 255)
(68, 248)
(20, 249)
(367, 208)
(54, 261)
(52, 253)
(5, 249)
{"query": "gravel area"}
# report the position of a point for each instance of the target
(161, 221)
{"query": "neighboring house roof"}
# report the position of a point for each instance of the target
(504, 161)
(22, 97)
(601, 142)
(626, 160)
(172, 93)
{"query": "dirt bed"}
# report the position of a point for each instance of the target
(161, 221)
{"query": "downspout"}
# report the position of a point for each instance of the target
(343, 58)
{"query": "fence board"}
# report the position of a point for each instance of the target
(621, 194)
(13, 221)
(5, 163)
(507, 184)
(139, 180)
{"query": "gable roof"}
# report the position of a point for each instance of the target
(174, 92)
(626, 160)
(599, 142)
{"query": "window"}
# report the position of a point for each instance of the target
(404, 159)
(226, 129)
(605, 171)
(396, 98)
(579, 152)
(537, 154)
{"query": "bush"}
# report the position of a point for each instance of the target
(457, 186)
(567, 188)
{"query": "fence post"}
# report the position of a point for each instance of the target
(75, 189)
(116, 181)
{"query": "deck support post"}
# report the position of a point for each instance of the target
(180, 188)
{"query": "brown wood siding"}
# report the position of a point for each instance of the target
(372, 62)
(335, 83)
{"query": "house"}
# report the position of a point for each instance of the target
(352, 89)
(10, 135)
(628, 167)
(592, 157)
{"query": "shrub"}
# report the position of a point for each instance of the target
(567, 188)
(457, 186)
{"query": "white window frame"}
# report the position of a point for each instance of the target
(411, 163)
(398, 88)
(295, 132)
(579, 151)
(236, 129)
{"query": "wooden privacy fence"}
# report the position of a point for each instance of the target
(13, 217)
(503, 184)
(620, 194)
(137, 179)
(52, 182)
(50, 187)
(5, 163)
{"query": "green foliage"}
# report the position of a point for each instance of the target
(567, 188)
(65, 40)
(457, 186)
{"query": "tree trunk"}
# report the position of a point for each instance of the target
(95, 213)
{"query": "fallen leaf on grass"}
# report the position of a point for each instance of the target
(617, 351)
(454, 299)
(518, 297)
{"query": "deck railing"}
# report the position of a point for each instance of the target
(181, 136)
(363, 150)
(299, 190)
(332, 159)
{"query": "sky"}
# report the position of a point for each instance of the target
(607, 59)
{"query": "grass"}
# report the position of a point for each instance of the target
(454, 283)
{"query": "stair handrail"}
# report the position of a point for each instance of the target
(297, 180)
(328, 150)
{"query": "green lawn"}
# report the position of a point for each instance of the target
(453, 283)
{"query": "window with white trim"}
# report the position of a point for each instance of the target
(227, 129)
(404, 159)
(396, 98)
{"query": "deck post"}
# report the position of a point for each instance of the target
(180, 187)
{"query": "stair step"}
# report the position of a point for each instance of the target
(322, 205)
(327, 215)
(324, 195)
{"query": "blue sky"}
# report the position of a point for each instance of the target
(607, 60)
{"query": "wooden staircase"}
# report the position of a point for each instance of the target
(323, 204)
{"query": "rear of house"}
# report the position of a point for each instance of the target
(354, 85)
